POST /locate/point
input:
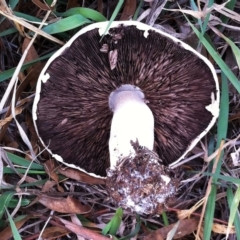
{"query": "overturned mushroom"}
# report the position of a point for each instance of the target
(102, 103)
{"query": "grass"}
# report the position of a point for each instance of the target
(31, 189)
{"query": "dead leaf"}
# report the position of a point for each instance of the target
(42, 6)
(196, 14)
(84, 232)
(7, 233)
(186, 227)
(48, 186)
(32, 76)
(80, 176)
(128, 10)
(72, 4)
(54, 233)
(6, 120)
(100, 6)
(64, 205)
(32, 53)
(50, 168)
(30, 180)
(5, 24)
(13, 145)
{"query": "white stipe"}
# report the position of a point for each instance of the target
(132, 120)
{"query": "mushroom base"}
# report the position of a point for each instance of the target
(141, 183)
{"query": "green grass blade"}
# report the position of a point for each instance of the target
(13, 3)
(115, 13)
(234, 48)
(138, 10)
(37, 183)
(230, 5)
(15, 232)
(209, 213)
(217, 58)
(49, 2)
(8, 73)
(233, 210)
(66, 24)
(222, 125)
(7, 170)
(114, 224)
(237, 218)
(27, 17)
(14, 202)
(135, 231)
(5, 198)
(207, 17)
(8, 31)
(165, 218)
(85, 12)
(222, 177)
(195, 8)
(221, 134)
(23, 162)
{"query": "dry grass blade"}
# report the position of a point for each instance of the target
(229, 143)
(17, 110)
(30, 27)
(222, 229)
(182, 214)
(155, 12)
(226, 12)
(196, 14)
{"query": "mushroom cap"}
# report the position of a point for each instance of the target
(71, 111)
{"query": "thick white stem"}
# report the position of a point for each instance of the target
(132, 120)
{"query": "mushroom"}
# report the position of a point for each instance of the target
(136, 97)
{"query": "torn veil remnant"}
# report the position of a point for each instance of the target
(161, 93)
